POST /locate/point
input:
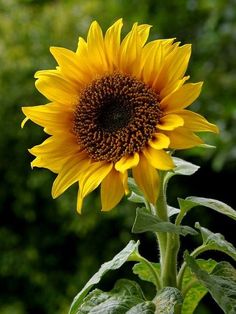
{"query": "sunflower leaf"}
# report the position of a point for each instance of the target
(182, 168)
(167, 300)
(145, 221)
(115, 263)
(125, 297)
(216, 241)
(216, 205)
(197, 290)
(172, 210)
(143, 271)
(135, 198)
(221, 283)
(133, 187)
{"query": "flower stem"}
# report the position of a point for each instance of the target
(162, 213)
(168, 242)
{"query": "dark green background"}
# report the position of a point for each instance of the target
(48, 251)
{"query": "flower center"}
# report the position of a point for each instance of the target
(116, 116)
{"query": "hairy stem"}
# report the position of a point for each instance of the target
(168, 242)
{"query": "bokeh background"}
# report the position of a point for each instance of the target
(48, 251)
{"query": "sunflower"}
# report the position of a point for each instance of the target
(115, 106)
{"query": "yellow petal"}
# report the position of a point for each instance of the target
(143, 32)
(152, 56)
(158, 158)
(71, 65)
(112, 43)
(90, 180)
(54, 117)
(182, 138)
(112, 190)
(82, 49)
(159, 141)
(56, 88)
(147, 179)
(69, 174)
(24, 121)
(96, 47)
(182, 97)
(195, 122)
(170, 122)
(130, 51)
(124, 180)
(54, 152)
(174, 66)
(127, 162)
(173, 86)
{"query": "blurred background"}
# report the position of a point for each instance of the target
(48, 251)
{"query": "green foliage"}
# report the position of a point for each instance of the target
(193, 201)
(221, 283)
(144, 221)
(194, 291)
(115, 263)
(146, 273)
(125, 297)
(167, 300)
(216, 242)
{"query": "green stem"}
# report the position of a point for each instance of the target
(162, 213)
(169, 271)
(168, 242)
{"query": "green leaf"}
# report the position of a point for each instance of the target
(133, 187)
(185, 205)
(135, 198)
(115, 263)
(218, 206)
(182, 168)
(172, 210)
(167, 300)
(193, 201)
(144, 272)
(221, 283)
(125, 297)
(144, 221)
(143, 308)
(216, 241)
(197, 291)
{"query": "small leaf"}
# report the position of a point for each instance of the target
(216, 241)
(133, 187)
(218, 206)
(128, 288)
(185, 206)
(221, 283)
(182, 168)
(135, 198)
(197, 291)
(125, 297)
(144, 221)
(143, 271)
(172, 210)
(167, 299)
(115, 263)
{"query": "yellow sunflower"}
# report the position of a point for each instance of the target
(115, 105)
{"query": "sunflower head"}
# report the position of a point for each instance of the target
(115, 105)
